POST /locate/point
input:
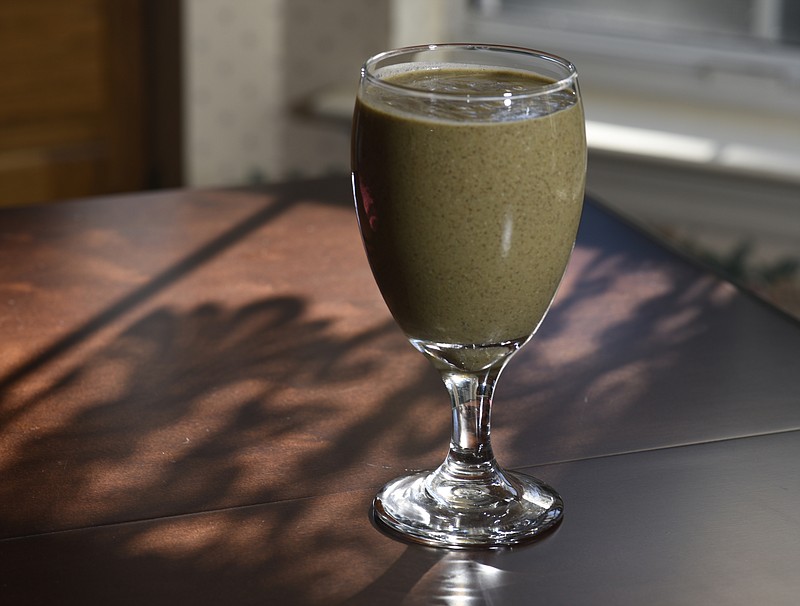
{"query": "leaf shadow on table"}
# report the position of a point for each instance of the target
(243, 412)
(644, 349)
(256, 415)
(216, 408)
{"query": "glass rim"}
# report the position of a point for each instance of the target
(367, 71)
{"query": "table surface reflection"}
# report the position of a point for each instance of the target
(200, 392)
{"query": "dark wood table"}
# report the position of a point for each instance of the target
(202, 390)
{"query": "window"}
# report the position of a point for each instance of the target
(705, 81)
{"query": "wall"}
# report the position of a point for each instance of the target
(252, 68)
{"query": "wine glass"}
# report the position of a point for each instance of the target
(469, 166)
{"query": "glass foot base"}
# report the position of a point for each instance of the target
(406, 506)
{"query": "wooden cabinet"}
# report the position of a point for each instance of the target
(79, 113)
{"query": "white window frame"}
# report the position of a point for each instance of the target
(723, 107)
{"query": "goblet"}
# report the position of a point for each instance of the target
(468, 165)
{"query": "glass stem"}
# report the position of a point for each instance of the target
(471, 399)
(470, 476)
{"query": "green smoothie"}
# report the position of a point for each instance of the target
(468, 211)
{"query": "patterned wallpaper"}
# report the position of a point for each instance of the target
(251, 65)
